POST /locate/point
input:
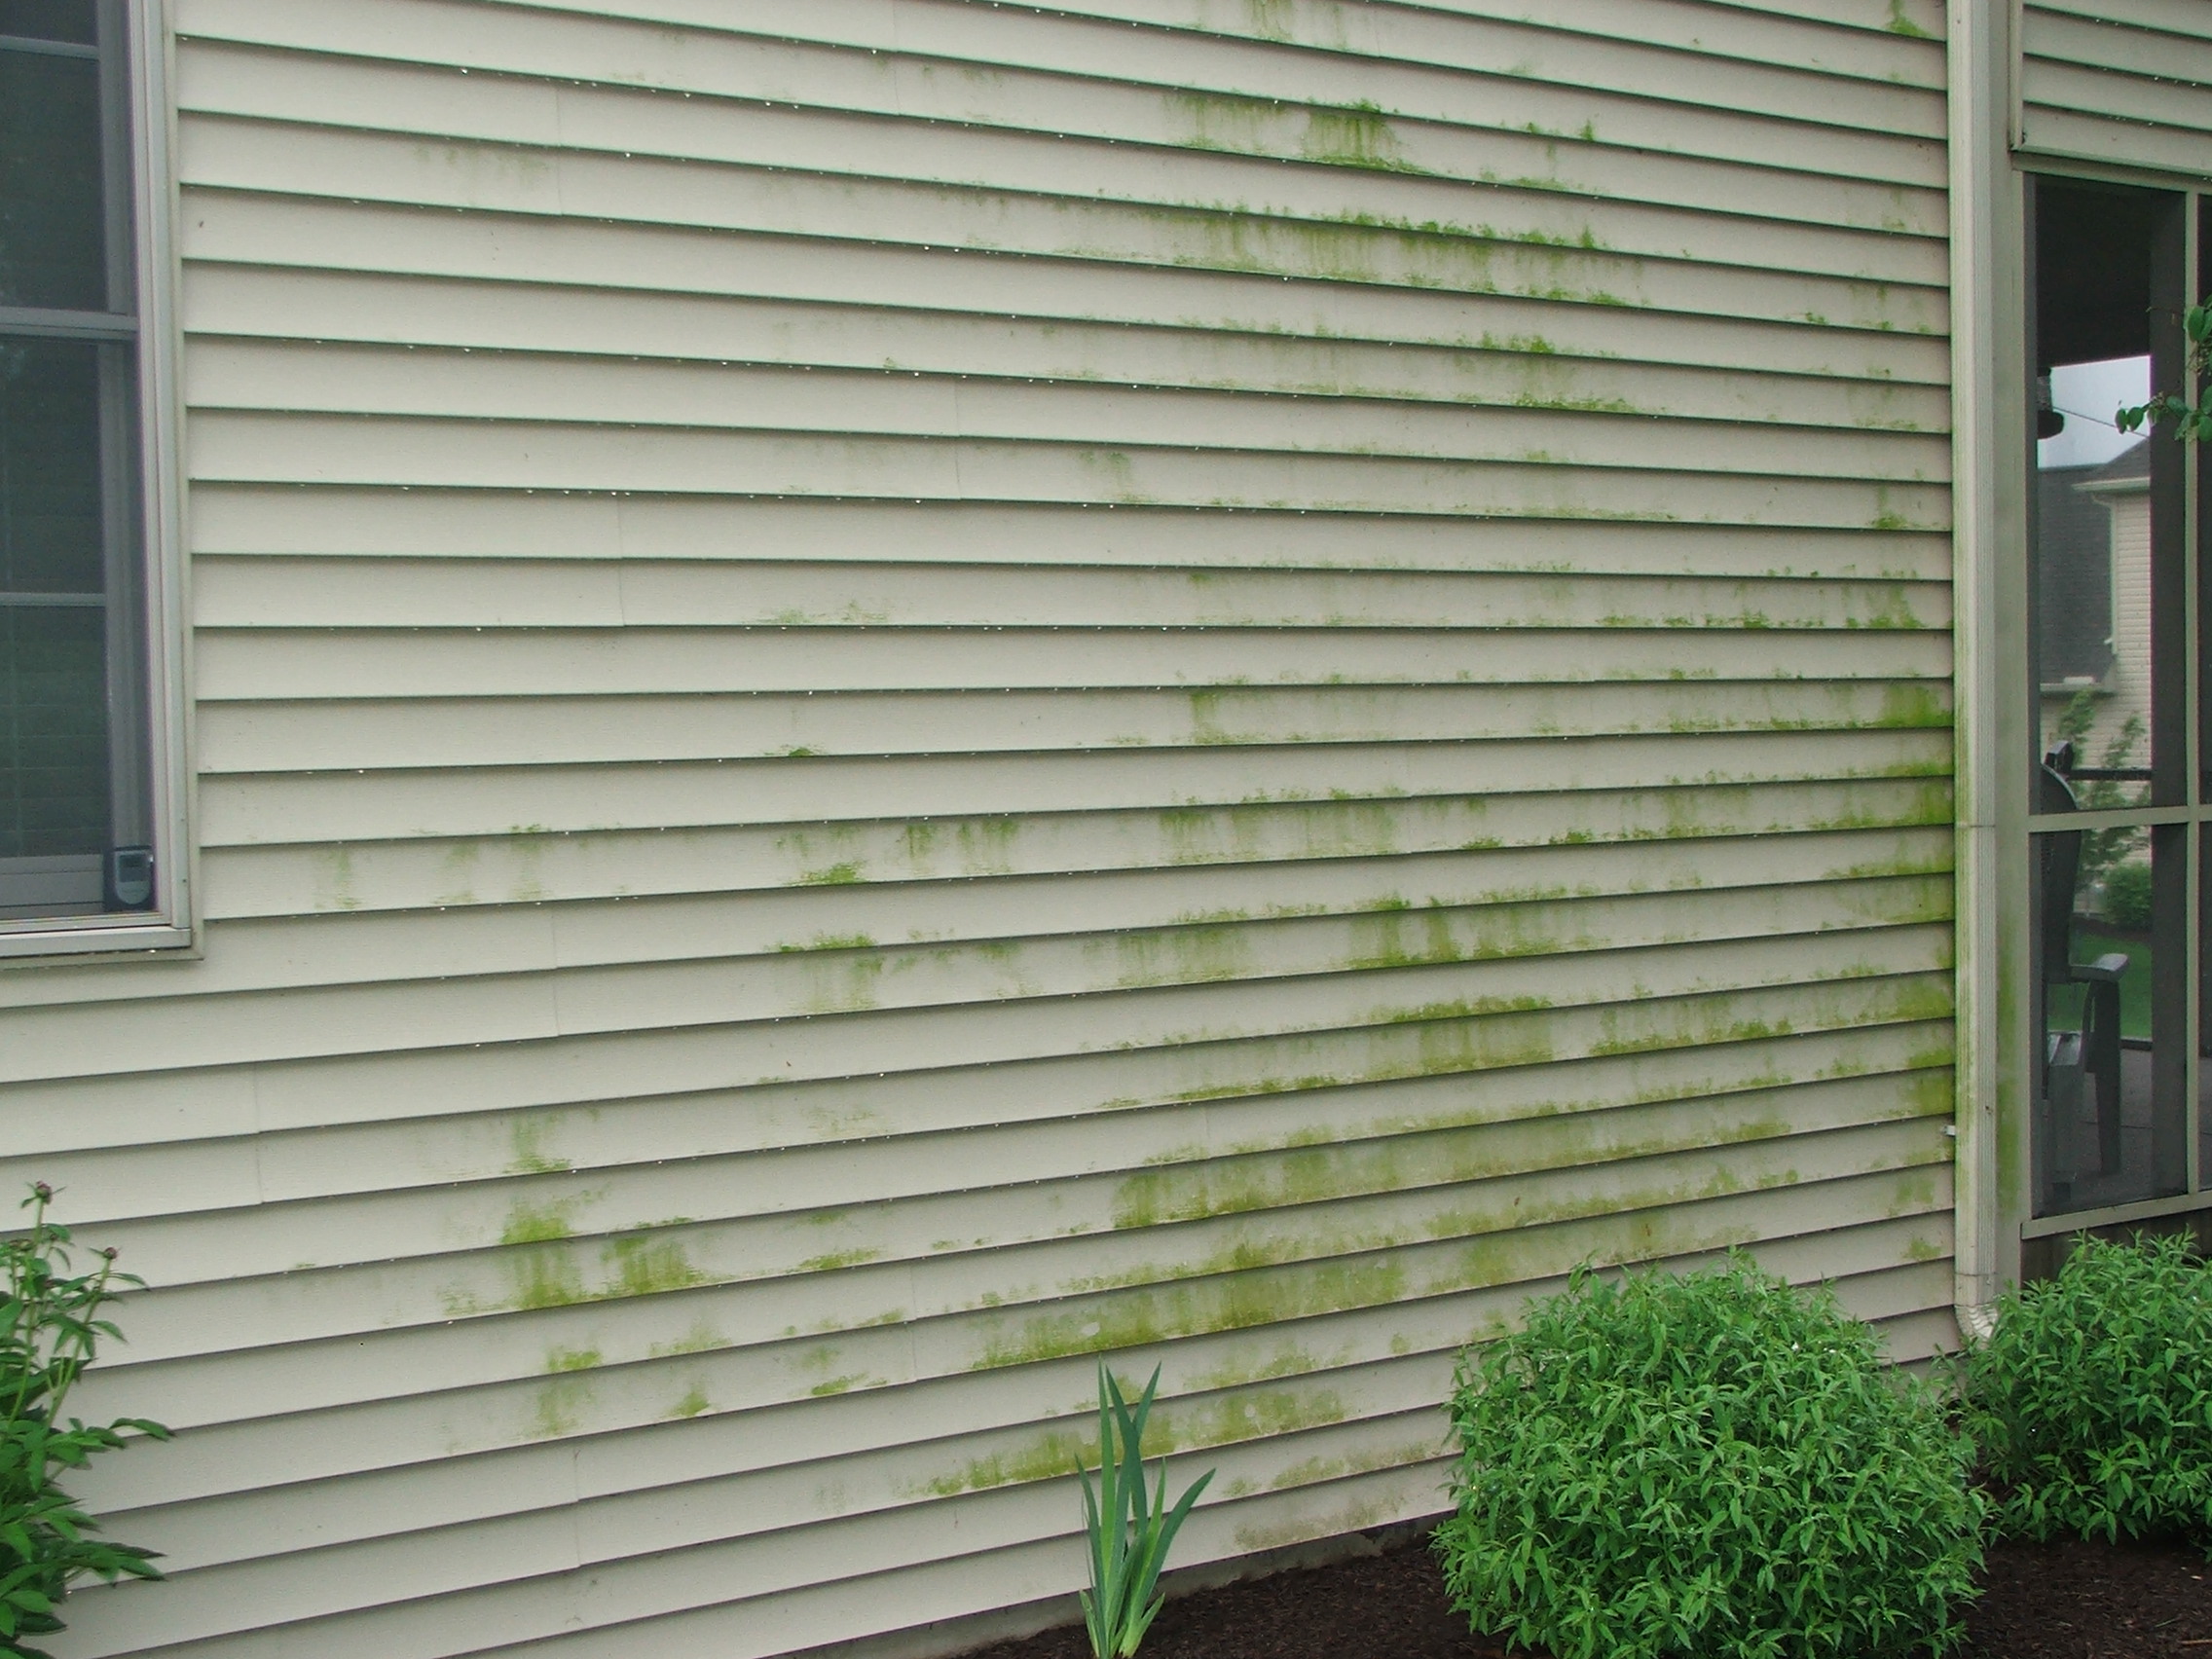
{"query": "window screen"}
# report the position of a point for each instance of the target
(76, 826)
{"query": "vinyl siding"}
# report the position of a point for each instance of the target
(890, 695)
(2128, 82)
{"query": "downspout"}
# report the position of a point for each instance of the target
(1984, 248)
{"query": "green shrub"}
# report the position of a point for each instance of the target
(2127, 895)
(49, 1327)
(2093, 1401)
(1712, 1465)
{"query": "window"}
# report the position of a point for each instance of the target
(88, 751)
(2117, 778)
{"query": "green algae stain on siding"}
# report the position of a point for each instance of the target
(559, 1408)
(1194, 955)
(693, 1402)
(644, 1266)
(1050, 1456)
(1901, 25)
(1157, 1313)
(543, 1276)
(1272, 19)
(532, 1136)
(844, 980)
(1356, 136)
(537, 1224)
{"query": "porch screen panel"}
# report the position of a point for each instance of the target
(2128, 82)
(891, 696)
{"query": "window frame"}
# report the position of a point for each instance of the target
(167, 925)
(2021, 1231)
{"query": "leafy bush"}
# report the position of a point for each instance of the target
(2127, 895)
(1711, 1465)
(49, 1327)
(2093, 1401)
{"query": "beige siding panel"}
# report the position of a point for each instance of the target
(754, 1275)
(478, 316)
(250, 230)
(1040, 168)
(1160, 547)
(327, 807)
(450, 658)
(791, 1149)
(894, 694)
(409, 732)
(942, 63)
(723, 398)
(1207, 606)
(2121, 81)
(346, 877)
(445, 454)
(1204, 979)
(1461, 899)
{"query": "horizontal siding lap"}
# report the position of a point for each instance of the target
(2121, 81)
(1884, 284)
(784, 1170)
(2166, 55)
(944, 62)
(427, 453)
(943, 991)
(2181, 109)
(753, 1279)
(251, 231)
(1526, 373)
(2171, 17)
(327, 807)
(1440, 902)
(609, 729)
(790, 1419)
(1052, 164)
(658, 593)
(353, 876)
(1157, 548)
(252, 379)
(894, 692)
(1217, 669)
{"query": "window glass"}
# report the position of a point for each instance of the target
(2110, 942)
(71, 21)
(53, 748)
(53, 767)
(2104, 512)
(76, 744)
(53, 244)
(49, 474)
(2109, 679)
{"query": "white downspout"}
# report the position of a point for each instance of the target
(1985, 254)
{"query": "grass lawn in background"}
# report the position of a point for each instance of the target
(2090, 941)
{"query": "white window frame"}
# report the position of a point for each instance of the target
(168, 923)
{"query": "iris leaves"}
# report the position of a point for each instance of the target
(1130, 1531)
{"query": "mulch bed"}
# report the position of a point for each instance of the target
(2066, 1601)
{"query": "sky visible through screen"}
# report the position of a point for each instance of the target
(2088, 394)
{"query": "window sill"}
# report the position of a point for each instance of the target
(26, 944)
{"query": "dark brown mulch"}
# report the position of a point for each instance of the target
(2066, 1601)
